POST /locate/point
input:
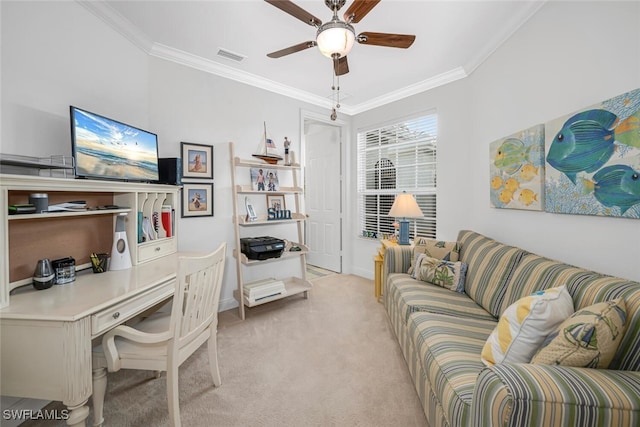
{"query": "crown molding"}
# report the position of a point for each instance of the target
(194, 61)
(120, 24)
(425, 85)
(500, 38)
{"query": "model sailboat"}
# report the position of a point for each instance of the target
(267, 150)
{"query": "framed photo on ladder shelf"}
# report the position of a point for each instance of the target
(275, 202)
(251, 211)
(264, 179)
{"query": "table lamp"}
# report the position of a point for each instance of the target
(405, 206)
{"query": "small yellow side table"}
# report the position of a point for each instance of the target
(377, 275)
(378, 259)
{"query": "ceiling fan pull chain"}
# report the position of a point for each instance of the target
(335, 95)
(338, 93)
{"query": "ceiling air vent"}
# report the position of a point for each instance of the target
(230, 55)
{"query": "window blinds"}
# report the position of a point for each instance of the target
(395, 158)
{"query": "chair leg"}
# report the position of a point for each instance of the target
(212, 346)
(99, 391)
(172, 395)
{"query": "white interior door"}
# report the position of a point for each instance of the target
(323, 194)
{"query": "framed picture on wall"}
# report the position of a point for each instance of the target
(197, 160)
(197, 199)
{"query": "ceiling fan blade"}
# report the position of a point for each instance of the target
(296, 11)
(291, 49)
(340, 66)
(358, 10)
(384, 39)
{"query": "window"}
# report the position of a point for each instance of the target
(395, 158)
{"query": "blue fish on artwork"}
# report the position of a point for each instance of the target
(586, 141)
(616, 185)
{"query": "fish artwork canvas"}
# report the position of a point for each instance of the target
(517, 170)
(593, 160)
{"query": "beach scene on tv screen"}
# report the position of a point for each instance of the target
(109, 149)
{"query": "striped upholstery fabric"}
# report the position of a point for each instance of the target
(397, 259)
(431, 404)
(441, 334)
(490, 265)
(449, 349)
(535, 273)
(552, 396)
(409, 296)
(586, 288)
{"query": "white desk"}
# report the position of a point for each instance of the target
(45, 336)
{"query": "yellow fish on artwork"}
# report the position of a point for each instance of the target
(528, 172)
(506, 196)
(527, 197)
(496, 182)
(512, 185)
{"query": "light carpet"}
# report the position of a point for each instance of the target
(314, 272)
(329, 360)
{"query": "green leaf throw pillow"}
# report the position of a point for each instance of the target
(445, 274)
(587, 339)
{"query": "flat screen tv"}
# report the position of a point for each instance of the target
(104, 148)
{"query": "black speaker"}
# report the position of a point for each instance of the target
(170, 170)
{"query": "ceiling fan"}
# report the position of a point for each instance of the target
(336, 37)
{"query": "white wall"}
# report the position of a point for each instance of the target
(56, 54)
(568, 56)
(192, 106)
(560, 66)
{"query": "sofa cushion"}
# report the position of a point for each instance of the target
(587, 339)
(535, 273)
(525, 324)
(449, 350)
(446, 274)
(448, 251)
(490, 265)
(408, 296)
(586, 288)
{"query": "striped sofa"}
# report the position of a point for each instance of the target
(441, 334)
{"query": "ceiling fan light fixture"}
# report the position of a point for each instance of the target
(335, 37)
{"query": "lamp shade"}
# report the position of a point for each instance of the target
(335, 37)
(405, 206)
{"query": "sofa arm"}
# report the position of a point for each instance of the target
(397, 259)
(545, 395)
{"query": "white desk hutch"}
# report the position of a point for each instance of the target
(46, 335)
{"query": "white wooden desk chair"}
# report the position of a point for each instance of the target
(163, 341)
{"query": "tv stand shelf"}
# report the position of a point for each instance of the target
(30, 237)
